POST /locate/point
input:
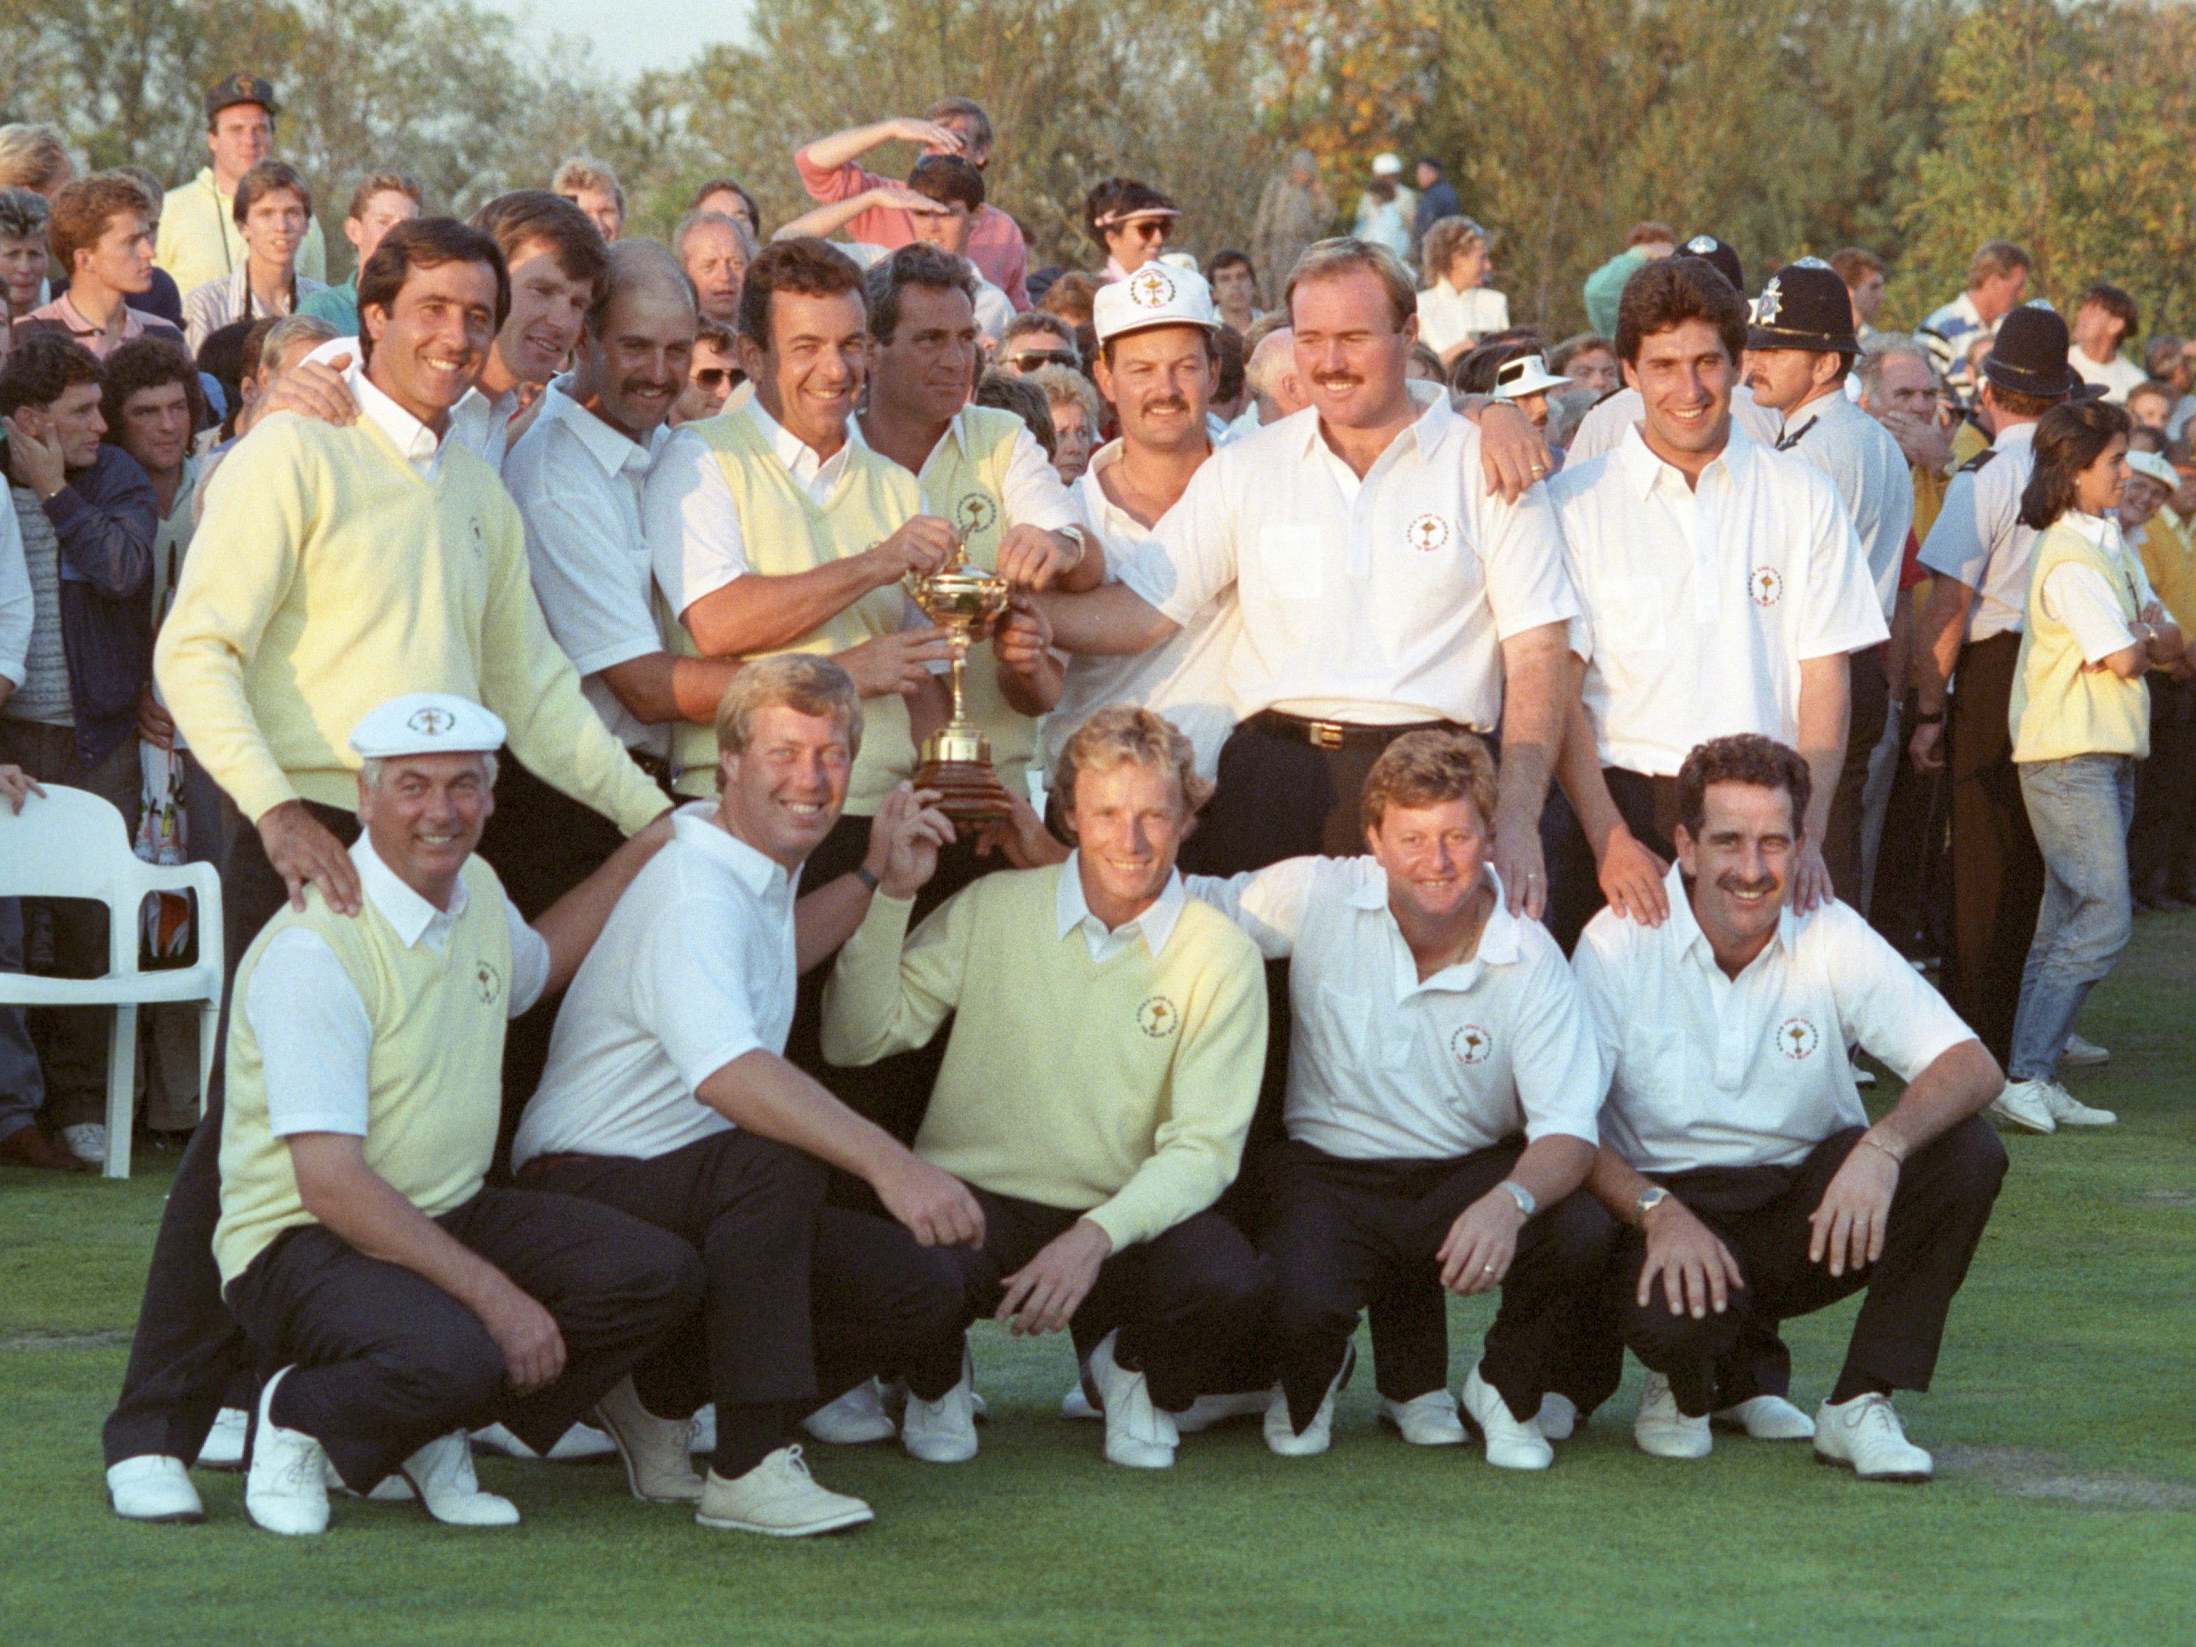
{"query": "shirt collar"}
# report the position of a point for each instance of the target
(1685, 931)
(417, 442)
(2013, 439)
(696, 824)
(1648, 470)
(792, 451)
(412, 916)
(2101, 533)
(612, 448)
(1822, 409)
(1155, 925)
(1499, 943)
(1437, 418)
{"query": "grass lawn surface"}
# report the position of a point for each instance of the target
(2062, 1423)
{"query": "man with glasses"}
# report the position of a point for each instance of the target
(1033, 340)
(1131, 220)
(713, 373)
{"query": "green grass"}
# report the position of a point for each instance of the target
(2064, 1511)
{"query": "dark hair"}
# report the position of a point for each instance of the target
(950, 180)
(2069, 438)
(1855, 263)
(726, 185)
(252, 354)
(715, 335)
(1672, 290)
(805, 266)
(151, 363)
(524, 216)
(82, 211)
(1743, 757)
(915, 264)
(42, 368)
(428, 243)
(2017, 404)
(1474, 371)
(2115, 302)
(266, 178)
(1070, 297)
(1232, 259)
(383, 182)
(1650, 233)
(1579, 343)
(1231, 354)
(221, 357)
(1119, 197)
(2160, 354)
(963, 108)
(1026, 401)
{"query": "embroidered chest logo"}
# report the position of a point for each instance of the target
(1796, 1039)
(489, 982)
(1157, 1017)
(975, 513)
(1765, 584)
(1152, 289)
(1427, 533)
(1471, 1044)
(431, 723)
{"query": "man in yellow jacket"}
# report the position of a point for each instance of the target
(200, 239)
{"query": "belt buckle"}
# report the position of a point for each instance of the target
(1324, 734)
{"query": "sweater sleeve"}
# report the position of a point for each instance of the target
(889, 992)
(1213, 1090)
(527, 679)
(259, 515)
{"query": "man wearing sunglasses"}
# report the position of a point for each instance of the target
(1034, 340)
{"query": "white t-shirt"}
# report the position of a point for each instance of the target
(2080, 598)
(1749, 1071)
(1383, 1066)
(1379, 600)
(2118, 375)
(1448, 317)
(695, 967)
(1703, 602)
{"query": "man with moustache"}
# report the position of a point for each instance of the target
(356, 561)
(1735, 1146)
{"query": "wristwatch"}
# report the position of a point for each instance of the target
(1649, 1198)
(1521, 1195)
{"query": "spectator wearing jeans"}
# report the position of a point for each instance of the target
(2081, 721)
(85, 513)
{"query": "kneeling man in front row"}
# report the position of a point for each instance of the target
(1108, 1037)
(1734, 1141)
(399, 1301)
(1442, 1088)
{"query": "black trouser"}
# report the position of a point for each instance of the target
(1871, 710)
(1188, 1304)
(385, 1361)
(1649, 808)
(1912, 902)
(1343, 1232)
(1938, 1211)
(1280, 797)
(1997, 871)
(186, 1356)
(541, 844)
(2161, 846)
(802, 1301)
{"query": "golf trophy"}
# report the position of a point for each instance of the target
(966, 602)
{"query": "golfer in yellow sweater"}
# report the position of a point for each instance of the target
(1108, 1037)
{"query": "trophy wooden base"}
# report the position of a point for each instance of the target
(968, 791)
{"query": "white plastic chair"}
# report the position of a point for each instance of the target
(70, 843)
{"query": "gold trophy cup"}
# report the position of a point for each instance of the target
(966, 602)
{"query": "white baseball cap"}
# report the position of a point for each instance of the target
(1388, 165)
(1526, 375)
(427, 723)
(2153, 467)
(1155, 295)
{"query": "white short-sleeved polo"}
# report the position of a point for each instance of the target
(577, 483)
(694, 968)
(2081, 599)
(1383, 1066)
(1862, 462)
(1978, 537)
(1703, 601)
(1749, 1071)
(1379, 600)
(1610, 419)
(1183, 678)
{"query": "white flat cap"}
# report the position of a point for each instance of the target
(2156, 468)
(1155, 295)
(427, 723)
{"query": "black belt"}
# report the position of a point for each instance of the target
(1340, 734)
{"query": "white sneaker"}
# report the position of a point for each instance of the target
(943, 1431)
(2024, 1104)
(1512, 1443)
(1558, 1417)
(658, 1465)
(286, 1488)
(1766, 1418)
(1663, 1431)
(153, 1487)
(2070, 1111)
(778, 1497)
(577, 1445)
(1427, 1420)
(854, 1419)
(87, 1141)
(2081, 1054)
(441, 1475)
(1864, 1435)
(1078, 1404)
(1139, 1435)
(1209, 1410)
(224, 1448)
